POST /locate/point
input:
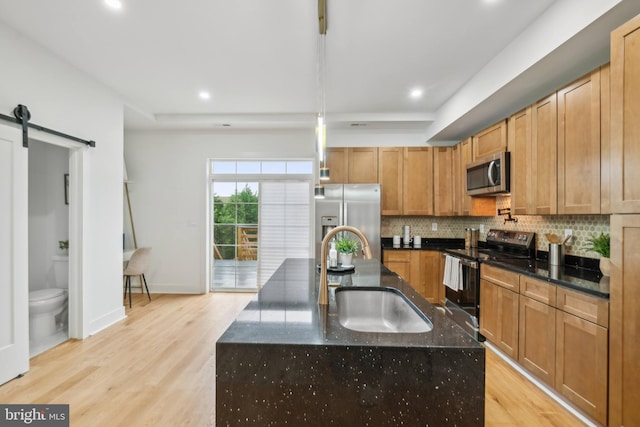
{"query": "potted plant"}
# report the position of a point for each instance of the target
(346, 248)
(602, 245)
(64, 246)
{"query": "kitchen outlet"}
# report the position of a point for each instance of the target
(482, 228)
(568, 235)
(434, 226)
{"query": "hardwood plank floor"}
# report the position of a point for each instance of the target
(157, 368)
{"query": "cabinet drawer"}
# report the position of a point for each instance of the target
(499, 276)
(538, 290)
(585, 306)
(397, 256)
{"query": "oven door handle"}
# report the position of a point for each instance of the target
(468, 263)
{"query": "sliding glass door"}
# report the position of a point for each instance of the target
(260, 214)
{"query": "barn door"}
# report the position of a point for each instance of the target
(14, 265)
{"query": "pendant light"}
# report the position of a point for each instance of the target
(321, 124)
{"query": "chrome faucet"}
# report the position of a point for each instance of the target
(323, 294)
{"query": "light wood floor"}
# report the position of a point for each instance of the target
(157, 368)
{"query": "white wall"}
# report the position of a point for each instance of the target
(63, 98)
(168, 174)
(48, 213)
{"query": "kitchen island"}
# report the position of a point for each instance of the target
(285, 360)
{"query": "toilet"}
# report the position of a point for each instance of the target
(46, 304)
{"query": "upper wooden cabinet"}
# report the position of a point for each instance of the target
(363, 165)
(558, 149)
(417, 196)
(353, 165)
(390, 175)
(406, 178)
(625, 117)
(490, 141)
(442, 181)
(544, 152)
(579, 146)
(466, 157)
(519, 126)
(338, 164)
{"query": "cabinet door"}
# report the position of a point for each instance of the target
(579, 146)
(399, 262)
(490, 141)
(466, 157)
(581, 365)
(624, 369)
(442, 182)
(537, 341)
(544, 155)
(418, 181)
(441, 288)
(363, 165)
(489, 310)
(456, 176)
(500, 276)
(625, 116)
(390, 174)
(338, 164)
(605, 139)
(508, 322)
(430, 272)
(521, 174)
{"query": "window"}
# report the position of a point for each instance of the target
(260, 214)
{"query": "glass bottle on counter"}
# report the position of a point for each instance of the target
(333, 255)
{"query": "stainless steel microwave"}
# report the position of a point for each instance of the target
(489, 175)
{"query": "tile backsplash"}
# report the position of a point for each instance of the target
(583, 226)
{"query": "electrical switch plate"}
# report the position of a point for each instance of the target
(568, 232)
(434, 226)
(482, 228)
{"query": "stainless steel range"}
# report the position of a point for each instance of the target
(462, 273)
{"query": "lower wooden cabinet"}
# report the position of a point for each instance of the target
(537, 340)
(421, 268)
(499, 316)
(582, 363)
(399, 262)
(557, 334)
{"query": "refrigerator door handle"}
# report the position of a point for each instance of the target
(346, 206)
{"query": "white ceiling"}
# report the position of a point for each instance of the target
(259, 58)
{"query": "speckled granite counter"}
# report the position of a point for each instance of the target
(287, 361)
(580, 279)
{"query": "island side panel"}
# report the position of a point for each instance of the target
(331, 385)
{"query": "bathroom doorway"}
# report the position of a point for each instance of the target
(49, 201)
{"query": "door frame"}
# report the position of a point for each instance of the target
(77, 295)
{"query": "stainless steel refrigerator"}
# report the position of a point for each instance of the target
(357, 205)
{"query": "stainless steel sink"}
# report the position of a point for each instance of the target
(376, 309)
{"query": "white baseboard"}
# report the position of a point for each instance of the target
(173, 288)
(107, 320)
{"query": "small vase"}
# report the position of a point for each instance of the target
(605, 266)
(345, 259)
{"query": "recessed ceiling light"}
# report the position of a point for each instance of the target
(203, 94)
(114, 4)
(416, 93)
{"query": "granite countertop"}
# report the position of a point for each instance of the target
(578, 273)
(580, 279)
(427, 244)
(286, 311)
